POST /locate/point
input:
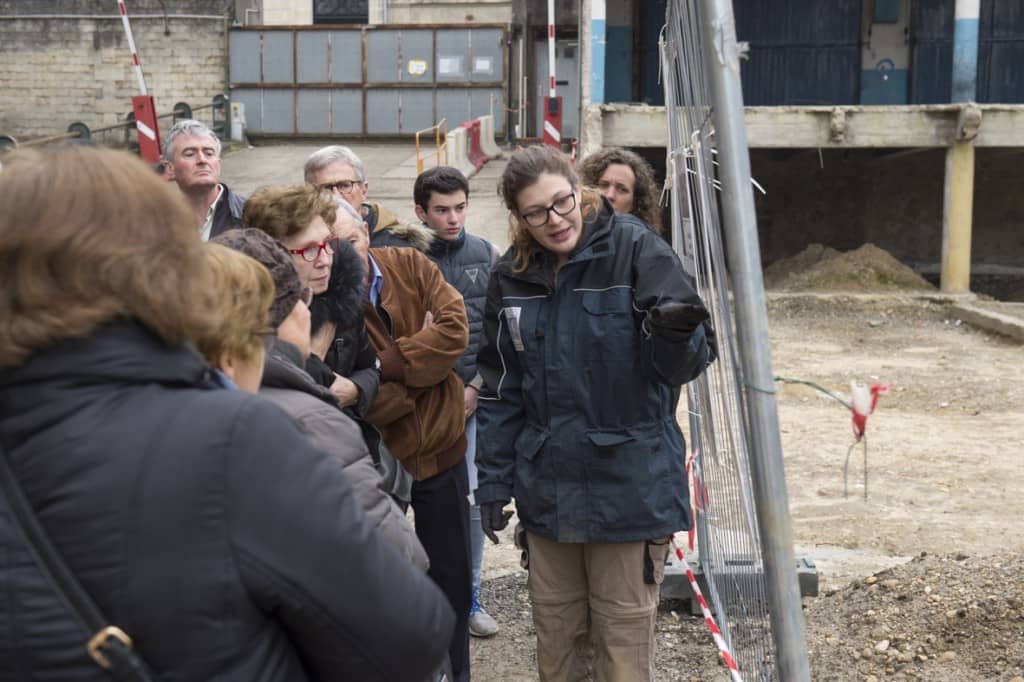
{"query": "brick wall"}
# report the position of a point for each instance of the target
(54, 71)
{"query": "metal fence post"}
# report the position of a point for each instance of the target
(740, 225)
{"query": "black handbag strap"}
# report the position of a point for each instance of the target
(108, 646)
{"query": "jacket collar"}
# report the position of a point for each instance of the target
(443, 247)
(122, 351)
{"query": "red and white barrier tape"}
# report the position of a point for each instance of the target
(723, 648)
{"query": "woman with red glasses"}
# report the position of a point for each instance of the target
(301, 219)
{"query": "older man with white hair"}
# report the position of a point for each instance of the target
(192, 157)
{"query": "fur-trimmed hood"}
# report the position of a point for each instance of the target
(342, 303)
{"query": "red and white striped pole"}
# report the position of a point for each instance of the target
(709, 619)
(142, 104)
(131, 45)
(552, 103)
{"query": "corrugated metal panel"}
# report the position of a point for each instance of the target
(383, 56)
(453, 106)
(417, 110)
(278, 57)
(347, 111)
(931, 52)
(487, 48)
(346, 56)
(278, 111)
(1001, 52)
(801, 51)
(253, 101)
(313, 111)
(383, 106)
(311, 55)
(244, 50)
(452, 56)
(417, 47)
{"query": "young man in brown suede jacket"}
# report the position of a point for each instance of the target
(417, 326)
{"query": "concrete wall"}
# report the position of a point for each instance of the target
(893, 200)
(287, 13)
(54, 71)
(447, 12)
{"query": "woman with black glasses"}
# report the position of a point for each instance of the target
(591, 327)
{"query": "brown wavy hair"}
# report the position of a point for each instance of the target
(645, 190)
(243, 308)
(524, 168)
(285, 212)
(90, 235)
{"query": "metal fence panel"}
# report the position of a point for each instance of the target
(487, 49)
(311, 52)
(417, 110)
(278, 57)
(383, 107)
(383, 63)
(244, 52)
(452, 55)
(278, 111)
(346, 56)
(313, 111)
(346, 111)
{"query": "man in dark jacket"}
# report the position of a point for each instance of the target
(192, 158)
(201, 521)
(441, 195)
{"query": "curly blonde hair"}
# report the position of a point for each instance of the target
(246, 292)
(645, 189)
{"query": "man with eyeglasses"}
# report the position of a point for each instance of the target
(338, 170)
(192, 160)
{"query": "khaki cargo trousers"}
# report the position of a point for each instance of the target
(593, 607)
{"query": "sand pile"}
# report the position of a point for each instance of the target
(866, 269)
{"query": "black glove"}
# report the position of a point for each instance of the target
(675, 320)
(494, 518)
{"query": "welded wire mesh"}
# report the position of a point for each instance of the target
(728, 540)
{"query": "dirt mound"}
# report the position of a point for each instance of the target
(866, 269)
(935, 618)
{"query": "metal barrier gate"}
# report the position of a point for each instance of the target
(366, 80)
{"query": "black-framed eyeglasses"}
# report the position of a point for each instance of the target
(311, 252)
(343, 186)
(562, 206)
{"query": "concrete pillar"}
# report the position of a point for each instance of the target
(958, 191)
(958, 204)
(592, 52)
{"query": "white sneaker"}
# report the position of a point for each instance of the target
(481, 624)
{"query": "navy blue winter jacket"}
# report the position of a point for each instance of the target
(466, 264)
(577, 416)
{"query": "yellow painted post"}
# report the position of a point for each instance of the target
(957, 209)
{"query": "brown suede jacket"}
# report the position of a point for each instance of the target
(420, 405)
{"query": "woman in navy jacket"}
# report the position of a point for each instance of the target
(591, 327)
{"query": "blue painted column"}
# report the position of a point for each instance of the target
(965, 51)
(597, 50)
